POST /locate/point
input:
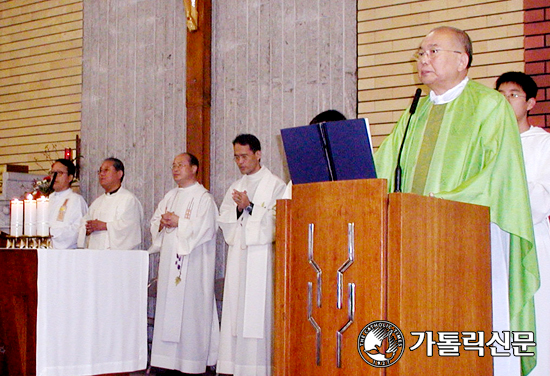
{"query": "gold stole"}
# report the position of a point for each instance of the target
(427, 149)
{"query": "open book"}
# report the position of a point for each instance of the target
(338, 150)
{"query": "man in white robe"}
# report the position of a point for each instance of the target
(114, 218)
(521, 91)
(66, 207)
(183, 228)
(247, 218)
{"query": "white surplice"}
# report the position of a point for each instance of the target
(245, 340)
(186, 332)
(536, 152)
(65, 211)
(123, 214)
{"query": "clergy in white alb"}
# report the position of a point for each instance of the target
(115, 218)
(521, 91)
(536, 151)
(66, 207)
(247, 219)
(183, 229)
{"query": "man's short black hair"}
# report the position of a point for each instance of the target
(71, 169)
(193, 161)
(328, 115)
(117, 164)
(526, 82)
(250, 140)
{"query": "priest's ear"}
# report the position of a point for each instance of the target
(464, 62)
(258, 154)
(195, 169)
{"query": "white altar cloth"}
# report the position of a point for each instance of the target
(92, 312)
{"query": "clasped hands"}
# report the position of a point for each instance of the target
(241, 199)
(169, 220)
(95, 225)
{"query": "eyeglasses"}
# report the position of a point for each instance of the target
(57, 172)
(177, 166)
(103, 171)
(431, 53)
(513, 95)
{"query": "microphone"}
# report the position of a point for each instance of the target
(398, 172)
(50, 187)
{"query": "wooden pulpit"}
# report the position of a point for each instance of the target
(348, 253)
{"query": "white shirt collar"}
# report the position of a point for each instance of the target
(450, 94)
(61, 193)
(257, 175)
(188, 187)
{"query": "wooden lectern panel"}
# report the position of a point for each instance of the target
(325, 221)
(440, 279)
(18, 302)
(421, 263)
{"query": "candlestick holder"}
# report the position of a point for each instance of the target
(28, 242)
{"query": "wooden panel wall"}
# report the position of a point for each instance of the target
(40, 80)
(390, 31)
(276, 64)
(133, 104)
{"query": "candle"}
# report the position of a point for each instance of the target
(30, 216)
(42, 227)
(68, 153)
(16, 217)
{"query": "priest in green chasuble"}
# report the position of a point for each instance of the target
(463, 145)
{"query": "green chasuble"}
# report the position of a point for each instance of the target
(477, 158)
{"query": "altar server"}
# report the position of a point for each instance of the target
(66, 207)
(183, 229)
(247, 218)
(521, 91)
(114, 219)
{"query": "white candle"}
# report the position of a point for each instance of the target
(16, 217)
(30, 216)
(42, 227)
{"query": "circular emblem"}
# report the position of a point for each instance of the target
(381, 344)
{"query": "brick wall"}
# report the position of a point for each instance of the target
(537, 56)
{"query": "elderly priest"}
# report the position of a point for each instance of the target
(184, 229)
(463, 145)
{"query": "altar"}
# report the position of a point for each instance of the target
(86, 316)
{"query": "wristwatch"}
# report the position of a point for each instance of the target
(249, 208)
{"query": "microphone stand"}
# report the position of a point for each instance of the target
(398, 171)
(50, 187)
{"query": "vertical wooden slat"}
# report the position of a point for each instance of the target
(198, 93)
